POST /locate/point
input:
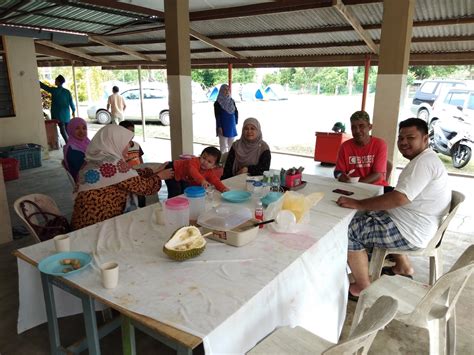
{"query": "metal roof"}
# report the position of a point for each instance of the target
(265, 33)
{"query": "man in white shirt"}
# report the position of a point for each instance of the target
(116, 105)
(406, 218)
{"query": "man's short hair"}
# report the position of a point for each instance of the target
(127, 124)
(420, 124)
(360, 115)
(115, 89)
(213, 152)
(60, 79)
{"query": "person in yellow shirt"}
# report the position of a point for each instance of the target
(116, 105)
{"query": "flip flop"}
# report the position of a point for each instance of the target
(388, 270)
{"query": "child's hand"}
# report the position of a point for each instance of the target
(244, 170)
(205, 184)
(226, 189)
(166, 174)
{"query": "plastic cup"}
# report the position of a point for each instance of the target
(110, 273)
(354, 179)
(160, 215)
(62, 243)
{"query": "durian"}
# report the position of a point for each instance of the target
(187, 242)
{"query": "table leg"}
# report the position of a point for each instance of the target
(91, 325)
(183, 350)
(128, 336)
(53, 329)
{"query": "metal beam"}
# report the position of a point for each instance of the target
(123, 49)
(71, 51)
(215, 44)
(355, 23)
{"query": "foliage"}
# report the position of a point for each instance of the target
(211, 77)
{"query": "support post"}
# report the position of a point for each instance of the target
(75, 89)
(366, 81)
(229, 76)
(178, 67)
(397, 23)
(141, 99)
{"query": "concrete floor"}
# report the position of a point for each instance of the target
(50, 179)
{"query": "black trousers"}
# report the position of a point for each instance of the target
(175, 187)
(63, 130)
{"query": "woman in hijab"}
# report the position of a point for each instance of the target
(75, 149)
(250, 154)
(227, 118)
(106, 182)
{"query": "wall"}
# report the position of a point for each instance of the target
(28, 124)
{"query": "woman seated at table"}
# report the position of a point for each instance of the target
(107, 183)
(250, 154)
(75, 148)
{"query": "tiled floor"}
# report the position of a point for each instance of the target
(50, 179)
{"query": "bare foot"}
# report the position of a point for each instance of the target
(355, 289)
(403, 271)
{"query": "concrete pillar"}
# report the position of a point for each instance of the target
(178, 64)
(393, 67)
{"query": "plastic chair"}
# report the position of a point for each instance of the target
(45, 202)
(432, 250)
(297, 340)
(425, 306)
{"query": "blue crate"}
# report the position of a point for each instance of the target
(28, 155)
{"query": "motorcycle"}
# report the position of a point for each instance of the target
(454, 138)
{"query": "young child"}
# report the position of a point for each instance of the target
(134, 156)
(198, 171)
(135, 152)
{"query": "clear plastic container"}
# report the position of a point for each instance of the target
(176, 212)
(196, 196)
(224, 217)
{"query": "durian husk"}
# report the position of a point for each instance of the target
(185, 243)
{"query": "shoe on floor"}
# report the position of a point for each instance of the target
(388, 270)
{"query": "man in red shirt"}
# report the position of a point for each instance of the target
(363, 155)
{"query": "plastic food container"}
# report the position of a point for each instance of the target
(176, 212)
(224, 217)
(232, 225)
(196, 196)
(238, 236)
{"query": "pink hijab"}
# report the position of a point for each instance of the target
(72, 141)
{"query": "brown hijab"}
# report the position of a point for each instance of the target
(248, 152)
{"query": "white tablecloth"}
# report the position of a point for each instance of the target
(231, 297)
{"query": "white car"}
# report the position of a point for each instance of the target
(155, 107)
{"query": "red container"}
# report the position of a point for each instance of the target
(11, 168)
(327, 145)
(293, 180)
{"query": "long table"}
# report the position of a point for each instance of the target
(228, 298)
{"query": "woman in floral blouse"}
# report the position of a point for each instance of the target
(106, 183)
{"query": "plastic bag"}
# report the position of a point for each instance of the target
(295, 202)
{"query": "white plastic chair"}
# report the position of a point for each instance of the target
(425, 306)
(45, 202)
(432, 250)
(298, 340)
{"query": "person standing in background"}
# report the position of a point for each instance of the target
(227, 118)
(116, 105)
(61, 101)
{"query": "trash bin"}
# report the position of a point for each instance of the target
(52, 134)
(327, 145)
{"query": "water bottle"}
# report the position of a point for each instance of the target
(259, 213)
(276, 182)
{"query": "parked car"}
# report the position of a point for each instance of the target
(155, 106)
(427, 93)
(458, 103)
